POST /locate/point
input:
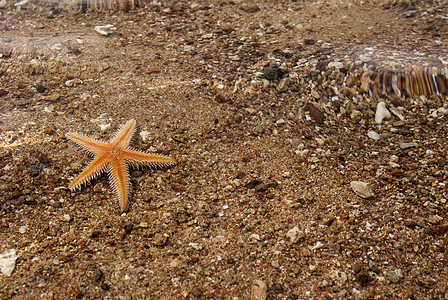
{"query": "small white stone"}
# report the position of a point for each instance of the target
(195, 246)
(275, 264)
(21, 3)
(317, 246)
(35, 63)
(104, 126)
(144, 135)
(67, 217)
(57, 47)
(73, 82)
(381, 113)
(105, 29)
(280, 121)
(335, 64)
(255, 236)
(373, 135)
(22, 229)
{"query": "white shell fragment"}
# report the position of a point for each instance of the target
(295, 234)
(381, 113)
(373, 135)
(105, 29)
(362, 189)
(144, 135)
(21, 3)
(73, 82)
(8, 262)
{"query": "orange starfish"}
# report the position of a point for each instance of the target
(114, 157)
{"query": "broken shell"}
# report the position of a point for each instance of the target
(8, 262)
(362, 189)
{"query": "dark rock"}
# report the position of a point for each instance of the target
(309, 42)
(273, 73)
(128, 228)
(43, 158)
(3, 92)
(252, 184)
(34, 171)
(41, 89)
(97, 275)
(362, 277)
(315, 113)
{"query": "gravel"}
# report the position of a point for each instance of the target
(268, 110)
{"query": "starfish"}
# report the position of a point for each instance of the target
(114, 157)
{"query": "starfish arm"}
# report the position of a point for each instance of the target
(88, 144)
(91, 171)
(152, 160)
(124, 136)
(119, 180)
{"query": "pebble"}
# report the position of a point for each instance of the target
(105, 29)
(280, 122)
(272, 73)
(255, 236)
(258, 290)
(373, 267)
(128, 228)
(315, 113)
(144, 135)
(52, 97)
(66, 218)
(436, 229)
(73, 82)
(250, 8)
(394, 275)
(356, 116)
(283, 85)
(57, 47)
(41, 89)
(404, 146)
(152, 70)
(160, 240)
(362, 277)
(318, 245)
(97, 275)
(381, 113)
(103, 66)
(362, 189)
(315, 94)
(22, 229)
(338, 277)
(373, 135)
(295, 234)
(195, 246)
(275, 264)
